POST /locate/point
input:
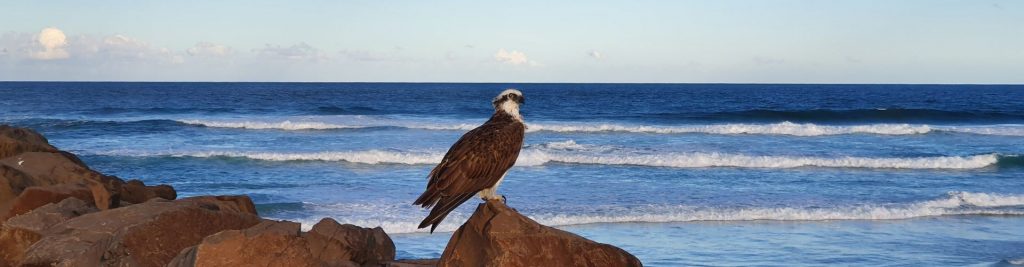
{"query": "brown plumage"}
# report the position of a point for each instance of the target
(476, 162)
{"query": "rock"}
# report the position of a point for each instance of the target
(20, 232)
(12, 182)
(14, 141)
(364, 246)
(48, 168)
(270, 243)
(38, 196)
(497, 235)
(282, 243)
(238, 203)
(145, 234)
(136, 191)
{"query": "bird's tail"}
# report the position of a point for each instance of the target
(441, 209)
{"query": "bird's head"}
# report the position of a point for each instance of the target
(509, 102)
(509, 97)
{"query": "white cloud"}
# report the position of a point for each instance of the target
(595, 54)
(208, 49)
(297, 52)
(512, 57)
(119, 48)
(52, 41)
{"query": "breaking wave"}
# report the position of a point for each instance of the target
(782, 128)
(571, 153)
(397, 219)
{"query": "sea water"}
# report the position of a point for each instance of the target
(677, 174)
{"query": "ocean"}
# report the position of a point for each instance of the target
(677, 174)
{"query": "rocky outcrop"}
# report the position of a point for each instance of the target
(59, 212)
(28, 163)
(241, 204)
(282, 243)
(135, 191)
(20, 232)
(146, 234)
(497, 235)
(38, 196)
(15, 141)
(45, 169)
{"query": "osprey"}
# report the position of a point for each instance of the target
(477, 162)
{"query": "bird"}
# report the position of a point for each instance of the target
(478, 162)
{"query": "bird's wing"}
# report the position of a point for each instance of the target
(475, 162)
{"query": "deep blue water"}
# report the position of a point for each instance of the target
(678, 174)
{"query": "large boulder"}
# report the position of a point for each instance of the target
(497, 235)
(38, 196)
(20, 232)
(15, 141)
(282, 243)
(240, 204)
(146, 234)
(47, 168)
(135, 191)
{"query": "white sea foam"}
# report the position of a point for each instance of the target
(364, 157)
(402, 219)
(572, 153)
(700, 160)
(955, 203)
(262, 125)
(782, 128)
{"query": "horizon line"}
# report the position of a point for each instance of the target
(437, 82)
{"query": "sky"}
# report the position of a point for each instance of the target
(639, 41)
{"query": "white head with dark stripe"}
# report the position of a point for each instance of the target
(509, 101)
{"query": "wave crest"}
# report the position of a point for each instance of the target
(782, 128)
(571, 153)
(397, 219)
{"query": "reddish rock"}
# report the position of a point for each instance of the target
(136, 191)
(497, 235)
(364, 246)
(282, 243)
(20, 232)
(12, 182)
(146, 234)
(15, 141)
(46, 168)
(37, 196)
(238, 203)
(270, 243)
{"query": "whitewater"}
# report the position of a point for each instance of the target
(782, 128)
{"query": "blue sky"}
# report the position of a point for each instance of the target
(524, 41)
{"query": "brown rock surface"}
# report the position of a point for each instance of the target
(497, 235)
(282, 243)
(238, 203)
(38, 196)
(136, 191)
(15, 141)
(364, 246)
(47, 168)
(20, 232)
(146, 234)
